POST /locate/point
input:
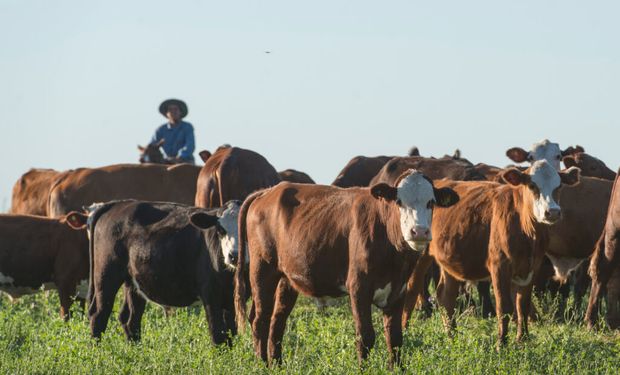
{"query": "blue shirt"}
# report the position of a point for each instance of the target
(179, 140)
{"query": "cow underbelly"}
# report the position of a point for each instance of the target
(166, 295)
(564, 265)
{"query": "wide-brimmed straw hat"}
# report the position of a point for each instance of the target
(163, 107)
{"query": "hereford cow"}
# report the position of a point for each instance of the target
(325, 241)
(501, 232)
(292, 175)
(543, 150)
(38, 252)
(168, 253)
(605, 265)
(233, 173)
(153, 182)
(31, 192)
(451, 167)
(589, 165)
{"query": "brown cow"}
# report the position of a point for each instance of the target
(325, 241)
(605, 265)
(446, 167)
(39, 252)
(233, 173)
(589, 165)
(152, 182)
(498, 231)
(360, 170)
(31, 192)
(292, 175)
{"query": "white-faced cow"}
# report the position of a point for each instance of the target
(38, 252)
(501, 232)
(325, 241)
(168, 253)
(543, 150)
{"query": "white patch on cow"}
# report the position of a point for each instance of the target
(415, 193)
(546, 150)
(521, 281)
(381, 295)
(229, 241)
(547, 180)
(82, 289)
(564, 265)
(4, 279)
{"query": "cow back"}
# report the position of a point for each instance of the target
(453, 169)
(233, 173)
(31, 192)
(360, 170)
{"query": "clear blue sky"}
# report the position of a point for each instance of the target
(80, 81)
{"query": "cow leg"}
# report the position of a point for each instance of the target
(361, 306)
(484, 292)
(393, 331)
(131, 313)
(107, 281)
(286, 297)
(212, 300)
(415, 287)
(613, 293)
(447, 291)
(523, 302)
(500, 277)
(66, 291)
(264, 280)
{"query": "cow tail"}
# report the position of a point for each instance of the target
(241, 271)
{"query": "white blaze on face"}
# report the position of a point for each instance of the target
(546, 150)
(547, 180)
(229, 241)
(415, 193)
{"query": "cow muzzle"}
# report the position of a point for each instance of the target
(552, 215)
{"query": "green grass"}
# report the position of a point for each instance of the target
(34, 340)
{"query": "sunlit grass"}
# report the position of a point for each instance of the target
(34, 340)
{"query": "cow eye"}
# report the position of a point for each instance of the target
(399, 202)
(430, 204)
(220, 230)
(558, 157)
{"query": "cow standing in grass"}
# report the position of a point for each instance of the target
(168, 253)
(325, 241)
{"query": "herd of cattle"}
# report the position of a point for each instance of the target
(235, 228)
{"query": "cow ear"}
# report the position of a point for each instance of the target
(414, 151)
(570, 176)
(572, 150)
(204, 155)
(384, 191)
(517, 154)
(569, 161)
(445, 197)
(76, 220)
(515, 177)
(202, 220)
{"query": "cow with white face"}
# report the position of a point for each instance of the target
(227, 230)
(542, 181)
(167, 253)
(415, 197)
(325, 241)
(543, 150)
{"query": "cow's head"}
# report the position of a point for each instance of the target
(415, 196)
(225, 223)
(83, 219)
(542, 181)
(543, 150)
(589, 165)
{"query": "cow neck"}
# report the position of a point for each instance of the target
(391, 213)
(516, 203)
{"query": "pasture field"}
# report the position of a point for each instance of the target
(34, 340)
